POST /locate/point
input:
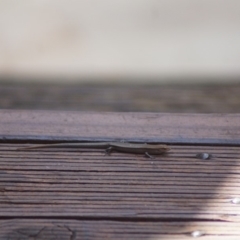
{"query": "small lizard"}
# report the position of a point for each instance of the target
(144, 148)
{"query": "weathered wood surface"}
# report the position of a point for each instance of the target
(42, 229)
(183, 98)
(147, 127)
(84, 194)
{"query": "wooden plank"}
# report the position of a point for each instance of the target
(84, 194)
(86, 183)
(143, 127)
(120, 97)
(82, 229)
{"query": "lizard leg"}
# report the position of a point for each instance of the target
(108, 150)
(148, 155)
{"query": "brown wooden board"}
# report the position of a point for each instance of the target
(83, 229)
(137, 127)
(81, 193)
(198, 97)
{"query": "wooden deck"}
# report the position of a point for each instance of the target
(78, 194)
(184, 98)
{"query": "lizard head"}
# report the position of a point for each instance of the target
(159, 149)
(164, 148)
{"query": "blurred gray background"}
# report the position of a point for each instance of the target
(120, 55)
(120, 39)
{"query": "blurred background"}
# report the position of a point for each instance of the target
(120, 55)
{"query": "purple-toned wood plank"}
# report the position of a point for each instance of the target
(143, 127)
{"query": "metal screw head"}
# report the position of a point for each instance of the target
(203, 156)
(235, 200)
(197, 233)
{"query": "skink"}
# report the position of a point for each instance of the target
(144, 148)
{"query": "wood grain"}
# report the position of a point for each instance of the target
(82, 229)
(137, 127)
(121, 196)
(75, 194)
(119, 97)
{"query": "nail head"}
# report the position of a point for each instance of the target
(235, 201)
(203, 156)
(197, 234)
